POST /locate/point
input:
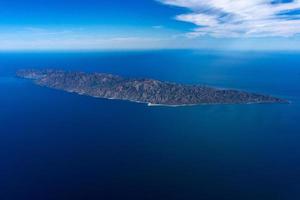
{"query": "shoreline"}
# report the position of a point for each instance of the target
(148, 104)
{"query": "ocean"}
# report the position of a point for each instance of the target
(56, 145)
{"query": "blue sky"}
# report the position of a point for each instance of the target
(149, 24)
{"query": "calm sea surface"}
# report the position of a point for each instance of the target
(57, 146)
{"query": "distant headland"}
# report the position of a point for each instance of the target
(152, 92)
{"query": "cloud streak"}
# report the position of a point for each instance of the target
(79, 38)
(240, 18)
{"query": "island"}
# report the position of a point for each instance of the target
(142, 90)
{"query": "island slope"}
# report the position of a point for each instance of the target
(149, 91)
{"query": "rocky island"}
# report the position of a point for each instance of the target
(152, 92)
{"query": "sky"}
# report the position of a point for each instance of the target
(149, 24)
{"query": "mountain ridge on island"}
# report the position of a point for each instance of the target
(143, 90)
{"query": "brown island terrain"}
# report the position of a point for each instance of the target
(152, 92)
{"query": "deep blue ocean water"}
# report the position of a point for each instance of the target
(56, 145)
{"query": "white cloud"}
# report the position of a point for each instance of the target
(240, 18)
(88, 43)
(36, 38)
(199, 19)
(158, 27)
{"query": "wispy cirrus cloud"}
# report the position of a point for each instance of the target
(241, 18)
(79, 38)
